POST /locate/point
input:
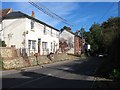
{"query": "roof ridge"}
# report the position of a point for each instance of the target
(28, 16)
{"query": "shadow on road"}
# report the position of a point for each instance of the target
(38, 80)
(82, 67)
(35, 80)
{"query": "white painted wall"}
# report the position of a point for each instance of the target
(13, 32)
(15, 29)
(38, 32)
(66, 36)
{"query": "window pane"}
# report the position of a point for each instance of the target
(32, 24)
(33, 44)
(29, 44)
(51, 46)
(44, 45)
(44, 30)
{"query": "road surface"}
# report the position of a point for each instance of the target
(64, 74)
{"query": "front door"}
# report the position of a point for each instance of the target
(39, 43)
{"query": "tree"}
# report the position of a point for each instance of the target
(66, 28)
(112, 39)
(95, 38)
(2, 44)
(82, 32)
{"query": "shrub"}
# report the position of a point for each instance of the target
(2, 44)
(115, 74)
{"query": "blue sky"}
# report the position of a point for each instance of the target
(80, 14)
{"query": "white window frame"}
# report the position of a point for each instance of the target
(31, 44)
(45, 31)
(32, 24)
(44, 46)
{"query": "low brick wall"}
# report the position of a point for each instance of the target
(32, 61)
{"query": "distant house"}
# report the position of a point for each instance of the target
(29, 34)
(71, 42)
(68, 38)
(78, 44)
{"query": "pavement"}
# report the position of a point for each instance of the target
(64, 74)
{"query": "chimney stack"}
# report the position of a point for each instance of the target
(77, 31)
(33, 14)
(69, 29)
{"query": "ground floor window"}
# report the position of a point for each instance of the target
(44, 46)
(32, 44)
(51, 46)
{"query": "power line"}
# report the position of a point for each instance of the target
(106, 12)
(48, 12)
(103, 14)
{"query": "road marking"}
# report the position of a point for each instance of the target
(28, 82)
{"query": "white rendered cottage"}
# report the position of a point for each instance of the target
(69, 37)
(30, 34)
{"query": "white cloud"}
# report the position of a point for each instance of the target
(83, 19)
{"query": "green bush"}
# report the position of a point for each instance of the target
(1, 64)
(2, 44)
(115, 74)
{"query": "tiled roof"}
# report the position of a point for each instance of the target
(19, 14)
(70, 31)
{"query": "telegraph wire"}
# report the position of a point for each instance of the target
(106, 12)
(48, 12)
(102, 15)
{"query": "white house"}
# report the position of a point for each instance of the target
(69, 37)
(30, 34)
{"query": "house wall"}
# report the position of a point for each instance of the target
(18, 31)
(77, 45)
(38, 33)
(13, 32)
(0, 31)
(70, 39)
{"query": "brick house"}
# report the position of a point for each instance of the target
(78, 44)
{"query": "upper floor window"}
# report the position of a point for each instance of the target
(45, 31)
(51, 32)
(32, 24)
(57, 34)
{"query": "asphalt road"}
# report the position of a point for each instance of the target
(64, 74)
